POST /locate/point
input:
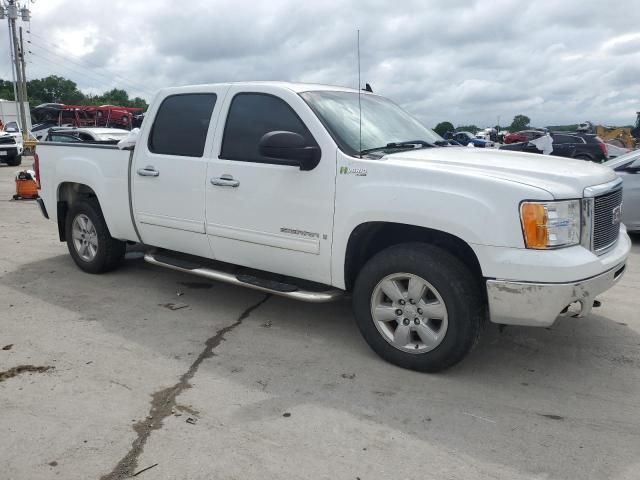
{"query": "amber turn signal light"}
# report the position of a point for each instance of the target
(534, 225)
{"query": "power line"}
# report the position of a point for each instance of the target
(55, 45)
(37, 64)
(93, 72)
(101, 82)
(84, 63)
(90, 72)
(41, 56)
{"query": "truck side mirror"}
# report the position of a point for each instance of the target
(291, 146)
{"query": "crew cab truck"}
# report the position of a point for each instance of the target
(274, 186)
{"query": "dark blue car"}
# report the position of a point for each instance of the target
(465, 138)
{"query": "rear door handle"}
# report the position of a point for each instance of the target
(148, 171)
(225, 181)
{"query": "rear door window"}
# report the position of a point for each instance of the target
(64, 138)
(563, 139)
(181, 125)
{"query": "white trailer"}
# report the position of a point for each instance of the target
(9, 112)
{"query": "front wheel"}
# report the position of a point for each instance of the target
(418, 307)
(88, 239)
(14, 161)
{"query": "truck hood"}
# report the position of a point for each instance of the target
(561, 177)
(6, 135)
(16, 135)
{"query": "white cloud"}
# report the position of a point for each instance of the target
(462, 61)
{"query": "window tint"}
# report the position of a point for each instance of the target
(251, 115)
(563, 139)
(11, 127)
(181, 124)
(63, 138)
(532, 135)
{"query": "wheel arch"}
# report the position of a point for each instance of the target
(66, 195)
(369, 238)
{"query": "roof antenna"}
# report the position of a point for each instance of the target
(359, 94)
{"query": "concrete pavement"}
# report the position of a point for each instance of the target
(239, 385)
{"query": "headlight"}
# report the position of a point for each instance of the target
(550, 224)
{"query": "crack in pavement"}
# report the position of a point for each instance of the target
(12, 372)
(164, 401)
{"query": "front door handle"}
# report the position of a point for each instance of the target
(148, 171)
(225, 181)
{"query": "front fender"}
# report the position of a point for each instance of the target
(480, 210)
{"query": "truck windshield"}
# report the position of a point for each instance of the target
(383, 122)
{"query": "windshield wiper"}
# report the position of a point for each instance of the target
(394, 145)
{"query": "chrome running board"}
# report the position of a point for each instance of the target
(244, 280)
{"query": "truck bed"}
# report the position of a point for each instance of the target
(104, 168)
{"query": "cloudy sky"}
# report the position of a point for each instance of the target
(458, 60)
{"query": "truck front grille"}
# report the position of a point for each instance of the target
(7, 140)
(606, 219)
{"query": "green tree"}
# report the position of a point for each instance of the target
(563, 128)
(467, 128)
(138, 102)
(520, 122)
(6, 90)
(443, 127)
(116, 97)
(54, 89)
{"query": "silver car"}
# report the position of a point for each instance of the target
(628, 168)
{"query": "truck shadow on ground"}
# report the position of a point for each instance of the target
(568, 373)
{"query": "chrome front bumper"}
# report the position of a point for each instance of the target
(540, 304)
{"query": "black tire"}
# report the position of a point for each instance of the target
(109, 251)
(456, 284)
(15, 161)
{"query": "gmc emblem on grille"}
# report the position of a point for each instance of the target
(616, 214)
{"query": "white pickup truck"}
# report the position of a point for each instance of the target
(11, 145)
(285, 188)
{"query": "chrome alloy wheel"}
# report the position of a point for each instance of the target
(85, 237)
(409, 313)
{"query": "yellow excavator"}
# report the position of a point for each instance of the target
(623, 137)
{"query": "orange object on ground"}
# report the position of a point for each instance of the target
(26, 186)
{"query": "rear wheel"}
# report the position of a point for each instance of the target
(418, 307)
(88, 239)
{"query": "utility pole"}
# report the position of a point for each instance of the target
(24, 72)
(11, 9)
